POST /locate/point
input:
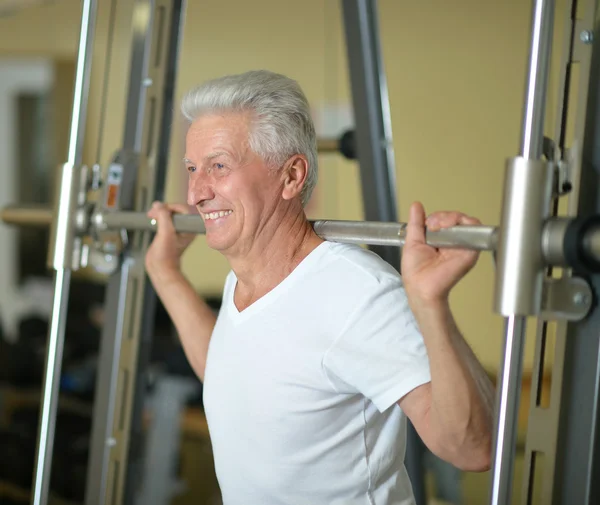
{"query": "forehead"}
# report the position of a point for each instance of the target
(218, 129)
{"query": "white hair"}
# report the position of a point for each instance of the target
(281, 121)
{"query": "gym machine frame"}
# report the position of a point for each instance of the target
(530, 240)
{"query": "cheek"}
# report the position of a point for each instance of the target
(245, 190)
(251, 192)
(229, 189)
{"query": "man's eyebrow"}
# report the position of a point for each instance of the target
(208, 157)
(216, 154)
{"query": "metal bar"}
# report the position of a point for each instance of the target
(104, 404)
(82, 82)
(50, 390)
(114, 475)
(371, 116)
(115, 380)
(167, 406)
(480, 238)
(537, 79)
(63, 241)
(356, 232)
(328, 145)
(526, 206)
(578, 447)
(542, 426)
(585, 24)
(166, 48)
(142, 17)
(508, 409)
(27, 216)
(512, 247)
(373, 133)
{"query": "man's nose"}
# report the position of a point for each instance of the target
(199, 188)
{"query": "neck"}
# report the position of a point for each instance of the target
(275, 254)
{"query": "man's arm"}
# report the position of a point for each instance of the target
(192, 317)
(453, 413)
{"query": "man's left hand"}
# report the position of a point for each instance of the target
(429, 273)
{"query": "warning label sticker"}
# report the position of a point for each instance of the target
(113, 185)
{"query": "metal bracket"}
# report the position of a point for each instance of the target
(104, 256)
(563, 177)
(562, 165)
(66, 249)
(566, 299)
(564, 169)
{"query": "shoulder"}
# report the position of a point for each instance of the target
(348, 278)
(365, 287)
(356, 264)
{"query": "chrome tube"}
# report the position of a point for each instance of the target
(507, 401)
(47, 421)
(520, 253)
(481, 238)
(60, 249)
(27, 216)
(526, 206)
(538, 67)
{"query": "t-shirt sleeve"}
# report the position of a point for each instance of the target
(380, 352)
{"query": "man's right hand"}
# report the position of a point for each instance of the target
(164, 254)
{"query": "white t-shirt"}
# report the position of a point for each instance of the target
(300, 387)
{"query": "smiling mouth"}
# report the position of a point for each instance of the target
(215, 215)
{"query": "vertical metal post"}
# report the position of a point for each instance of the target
(578, 450)
(544, 419)
(61, 251)
(114, 463)
(376, 158)
(512, 249)
(371, 116)
(164, 73)
(167, 405)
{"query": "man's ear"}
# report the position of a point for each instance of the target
(294, 174)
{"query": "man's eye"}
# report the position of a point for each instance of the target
(191, 169)
(219, 166)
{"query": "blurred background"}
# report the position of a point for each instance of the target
(455, 74)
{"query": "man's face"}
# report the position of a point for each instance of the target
(233, 189)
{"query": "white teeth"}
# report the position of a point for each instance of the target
(216, 215)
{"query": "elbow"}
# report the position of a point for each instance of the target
(472, 456)
(485, 456)
(475, 458)
(478, 460)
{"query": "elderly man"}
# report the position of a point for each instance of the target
(320, 350)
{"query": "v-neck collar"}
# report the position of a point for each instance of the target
(281, 288)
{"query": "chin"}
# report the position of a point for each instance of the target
(218, 243)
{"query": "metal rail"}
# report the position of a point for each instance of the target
(479, 238)
(520, 259)
(60, 257)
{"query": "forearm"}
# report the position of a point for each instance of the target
(194, 320)
(462, 395)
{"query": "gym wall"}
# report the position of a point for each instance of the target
(455, 75)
